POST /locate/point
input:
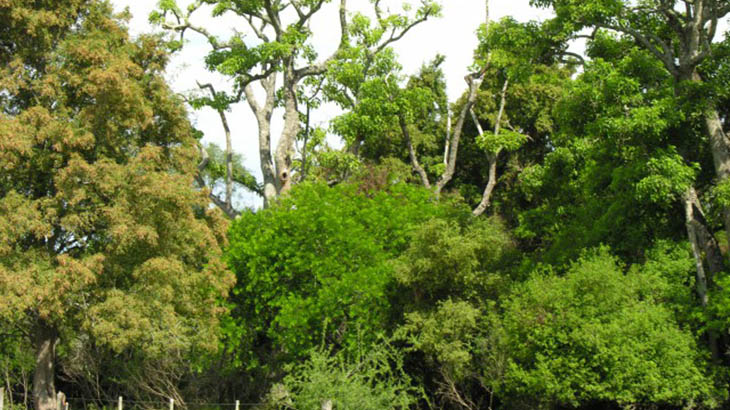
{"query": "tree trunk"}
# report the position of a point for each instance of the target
(719, 146)
(44, 390)
(474, 80)
(694, 234)
(285, 147)
(492, 158)
(412, 152)
(263, 119)
(721, 157)
(487, 195)
(229, 161)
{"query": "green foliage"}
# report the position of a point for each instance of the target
(601, 334)
(516, 47)
(615, 172)
(668, 179)
(669, 272)
(449, 278)
(368, 380)
(317, 263)
(447, 335)
(506, 140)
(446, 258)
(464, 344)
(356, 287)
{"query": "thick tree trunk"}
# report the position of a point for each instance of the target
(263, 119)
(44, 390)
(285, 147)
(719, 146)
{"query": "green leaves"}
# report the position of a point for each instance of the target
(316, 264)
(669, 177)
(594, 334)
(215, 171)
(372, 379)
(507, 140)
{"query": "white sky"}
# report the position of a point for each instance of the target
(452, 35)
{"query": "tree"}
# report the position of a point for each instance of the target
(102, 235)
(315, 268)
(516, 51)
(599, 334)
(679, 35)
(615, 174)
(281, 45)
(407, 111)
(449, 280)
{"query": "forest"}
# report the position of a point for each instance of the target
(558, 237)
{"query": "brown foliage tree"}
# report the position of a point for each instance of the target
(101, 232)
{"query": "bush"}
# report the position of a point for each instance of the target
(598, 334)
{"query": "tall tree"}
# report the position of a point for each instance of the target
(679, 34)
(102, 235)
(281, 48)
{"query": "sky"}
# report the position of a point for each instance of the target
(452, 35)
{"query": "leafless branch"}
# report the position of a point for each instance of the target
(412, 152)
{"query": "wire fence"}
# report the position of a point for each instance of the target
(85, 403)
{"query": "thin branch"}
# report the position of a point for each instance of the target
(320, 68)
(304, 17)
(395, 37)
(259, 31)
(273, 15)
(229, 148)
(474, 81)
(222, 205)
(412, 152)
(578, 57)
(492, 157)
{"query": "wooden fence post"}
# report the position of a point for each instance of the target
(172, 403)
(238, 405)
(119, 404)
(60, 401)
(327, 405)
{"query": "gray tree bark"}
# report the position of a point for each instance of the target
(412, 152)
(285, 146)
(263, 119)
(44, 389)
(473, 81)
(702, 242)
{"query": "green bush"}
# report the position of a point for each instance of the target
(600, 334)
